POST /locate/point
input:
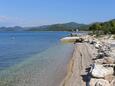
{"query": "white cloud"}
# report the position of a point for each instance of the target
(3, 18)
(10, 21)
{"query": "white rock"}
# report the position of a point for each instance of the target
(98, 45)
(99, 82)
(99, 71)
(112, 37)
(113, 82)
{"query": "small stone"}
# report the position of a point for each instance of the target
(108, 60)
(113, 82)
(105, 60)
(99, 82)
(97, 46)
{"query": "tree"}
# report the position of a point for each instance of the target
(96, 28)
(105, 27)
(112, 23)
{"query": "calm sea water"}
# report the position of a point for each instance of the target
(33, 58)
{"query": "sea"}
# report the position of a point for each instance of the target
(33, 58)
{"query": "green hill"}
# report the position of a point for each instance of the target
(60, 27)
(54, 27)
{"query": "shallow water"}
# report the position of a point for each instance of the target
(33, 61)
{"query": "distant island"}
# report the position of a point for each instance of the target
(105, 27)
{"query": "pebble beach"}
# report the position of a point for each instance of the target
(92, 63)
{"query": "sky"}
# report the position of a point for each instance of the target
(45, 12)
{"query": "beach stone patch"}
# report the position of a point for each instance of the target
(103, 69)
(102, 66)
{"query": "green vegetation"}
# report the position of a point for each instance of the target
(103, 28)
(61, 27)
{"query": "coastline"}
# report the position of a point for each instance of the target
(83, 63)
(69, 70)
(80, 60)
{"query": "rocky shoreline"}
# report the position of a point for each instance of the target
(92, 63)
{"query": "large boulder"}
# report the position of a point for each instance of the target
(99, 71)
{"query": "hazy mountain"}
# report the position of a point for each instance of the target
(54, 27)
(60, 27)
(16, 28)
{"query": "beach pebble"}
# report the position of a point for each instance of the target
(100, 55)
(113, 82)
(106, 60)
(97, 45)
(112, 37)
(99, 61)
(99, 82)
